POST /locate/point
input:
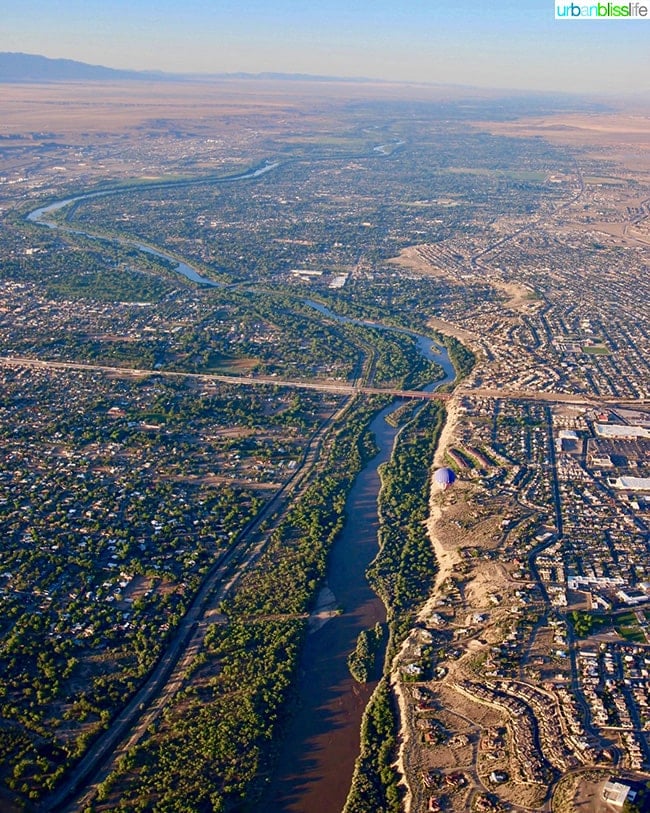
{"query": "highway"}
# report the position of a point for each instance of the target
(336, 388)
(209, 378)
(550, 396)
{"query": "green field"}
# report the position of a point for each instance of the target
(604, 181)
(628, 627)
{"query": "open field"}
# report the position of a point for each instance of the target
(83, 109)
(626, 136)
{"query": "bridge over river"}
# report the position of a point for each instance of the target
(338, 388)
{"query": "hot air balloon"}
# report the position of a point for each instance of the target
(444, 477)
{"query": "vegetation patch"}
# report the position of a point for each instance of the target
(218, 736)
(585, 623)
(628, 627)
(110, 285)
(402, 574)
(375, 783)
(365, 663)
(404, 570)
(595, 350)
(461, 357)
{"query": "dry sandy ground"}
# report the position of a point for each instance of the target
(449, 329)
(446, 539)
(519, 296)
(411, 259)
(86, 108)
(326, 608)
(625, 135)
(446, 558)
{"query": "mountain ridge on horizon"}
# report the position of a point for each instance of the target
(20, 67)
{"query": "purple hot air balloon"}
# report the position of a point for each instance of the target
(444, 477)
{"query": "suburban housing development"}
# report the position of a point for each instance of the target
(240, 328)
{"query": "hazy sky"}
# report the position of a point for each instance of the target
(503, 43)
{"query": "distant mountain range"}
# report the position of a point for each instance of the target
(31, 68)
(16, 67)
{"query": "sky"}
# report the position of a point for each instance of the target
(485, 43)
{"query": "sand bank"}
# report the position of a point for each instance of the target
(446, 559)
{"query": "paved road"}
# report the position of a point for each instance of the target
(146, 705)
(243, 381)
(327, 386)
(551, 396)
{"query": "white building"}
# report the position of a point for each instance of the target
(617, 793)
(632, 483)
(621, 431)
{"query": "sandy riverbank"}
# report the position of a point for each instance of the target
(326, 608)
(467, 337)
(446, 559)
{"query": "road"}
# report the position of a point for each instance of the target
(167, 675)
(208, 378)
(336, 388)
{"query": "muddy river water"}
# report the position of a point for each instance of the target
(321, 742)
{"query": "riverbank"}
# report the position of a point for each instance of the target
(322, 736)
(467, 337)
(446, 559)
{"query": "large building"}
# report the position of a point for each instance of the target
(632, 483)
(621, 431)
(617, 793)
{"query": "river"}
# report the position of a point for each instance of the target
(39, 216)
(322, 738)
(426, 346)
(321, 742)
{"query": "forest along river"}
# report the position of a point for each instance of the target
(40, 216)
(321, 742)
(317, 754)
